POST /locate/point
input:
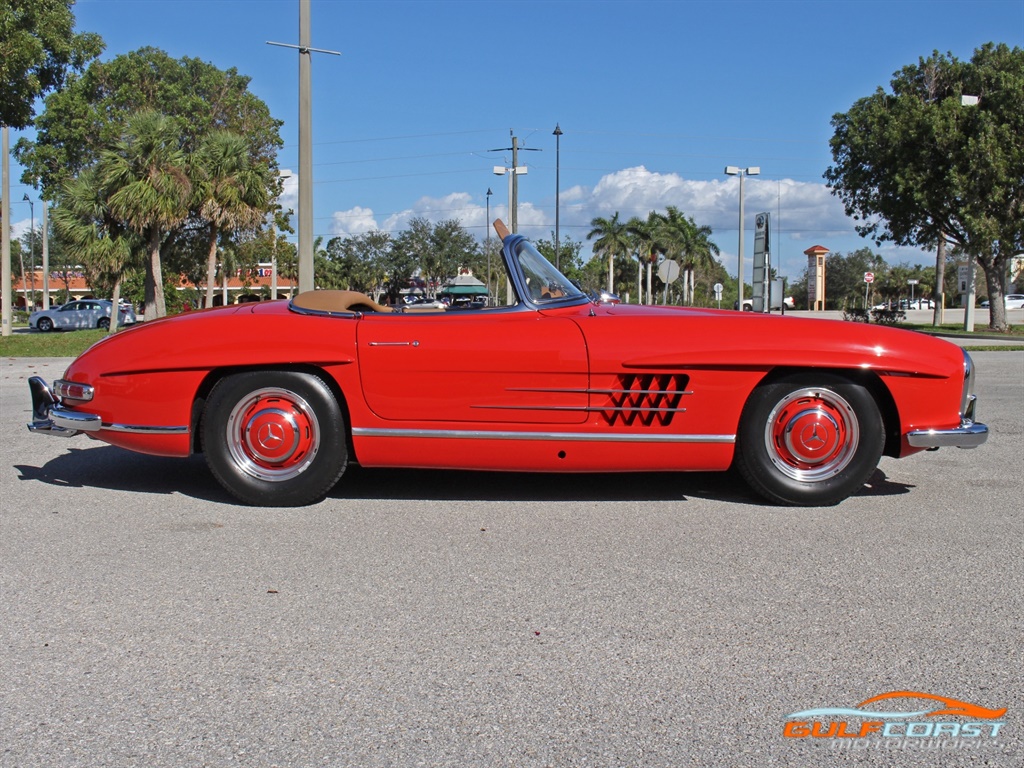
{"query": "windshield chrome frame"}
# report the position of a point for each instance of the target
(512, 247)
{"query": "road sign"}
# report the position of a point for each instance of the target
(869, 277)
(668, 271)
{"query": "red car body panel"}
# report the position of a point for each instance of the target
(511, 371)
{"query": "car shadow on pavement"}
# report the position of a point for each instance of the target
(454, 485)
(111, 468)
(115, 469)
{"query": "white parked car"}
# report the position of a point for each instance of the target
(1015, 301)
(77, 315)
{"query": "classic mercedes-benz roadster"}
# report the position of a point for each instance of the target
(281, 396)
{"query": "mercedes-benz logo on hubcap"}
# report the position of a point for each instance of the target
(270, 436)
(812, 436)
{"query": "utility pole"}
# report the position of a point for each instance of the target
(5, 225)
(513, 182)
(46, 260)
(305, 245)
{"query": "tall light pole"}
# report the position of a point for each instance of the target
(732, 170)
(557, 133)
(31, 253)
(487, 242)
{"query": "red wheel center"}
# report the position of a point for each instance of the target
(275, 434)
(808, 436)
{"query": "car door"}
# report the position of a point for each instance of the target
(68, 317)
(487, 366)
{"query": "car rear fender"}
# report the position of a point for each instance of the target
(329, 377)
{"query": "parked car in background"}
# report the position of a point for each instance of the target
(81, 314)
(1010, 301)
(748, 304)
(553, 382)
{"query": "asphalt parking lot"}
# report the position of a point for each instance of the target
(457, 619)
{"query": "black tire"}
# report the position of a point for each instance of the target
(274, 438)
(809, 439)
(45, 324)
(103, 323)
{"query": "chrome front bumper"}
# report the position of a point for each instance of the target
(49, 417)
(969, 434)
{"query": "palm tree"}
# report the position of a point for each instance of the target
(682, 239)
(645, 248)
(145, 175)
(612, 240)
(230, 191)
(83, 220)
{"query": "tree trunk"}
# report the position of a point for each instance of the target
(995, 269)
(115, 311)
(940, 280)
(611, 268)
(211, 267)
(155, 304)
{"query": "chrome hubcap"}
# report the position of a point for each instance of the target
(273, 434)
(812, 435)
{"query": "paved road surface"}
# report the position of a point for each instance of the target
(449, 619)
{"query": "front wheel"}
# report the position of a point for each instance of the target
(103, 323)
(809, 439)
(45, 324)
(274, 438)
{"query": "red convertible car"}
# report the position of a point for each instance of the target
(280, 396)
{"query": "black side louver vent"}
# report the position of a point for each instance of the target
(646, 399)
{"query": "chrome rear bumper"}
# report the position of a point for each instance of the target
(49, 417)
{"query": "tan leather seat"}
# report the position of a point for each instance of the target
(337, 301)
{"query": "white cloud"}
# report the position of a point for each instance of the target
(354, 221)
(290, 189)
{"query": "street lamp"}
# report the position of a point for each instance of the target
(557, 133)
(487, 242)
(732, 170)
(31, 252)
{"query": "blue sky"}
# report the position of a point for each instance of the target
(654, 99)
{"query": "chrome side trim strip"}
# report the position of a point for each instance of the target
(140, 429)
(579, 437)
(581, 408)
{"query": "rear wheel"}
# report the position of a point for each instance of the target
(103, 323)
(809, 439)
(274, 438)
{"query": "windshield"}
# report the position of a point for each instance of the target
(544, 282)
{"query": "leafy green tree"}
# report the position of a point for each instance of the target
(230, 191)
(679, 238)
(84, 220)
(919, 166)
(91, 111)
(145, 176)
(645, 249)
(612, 241)
(38, 47)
